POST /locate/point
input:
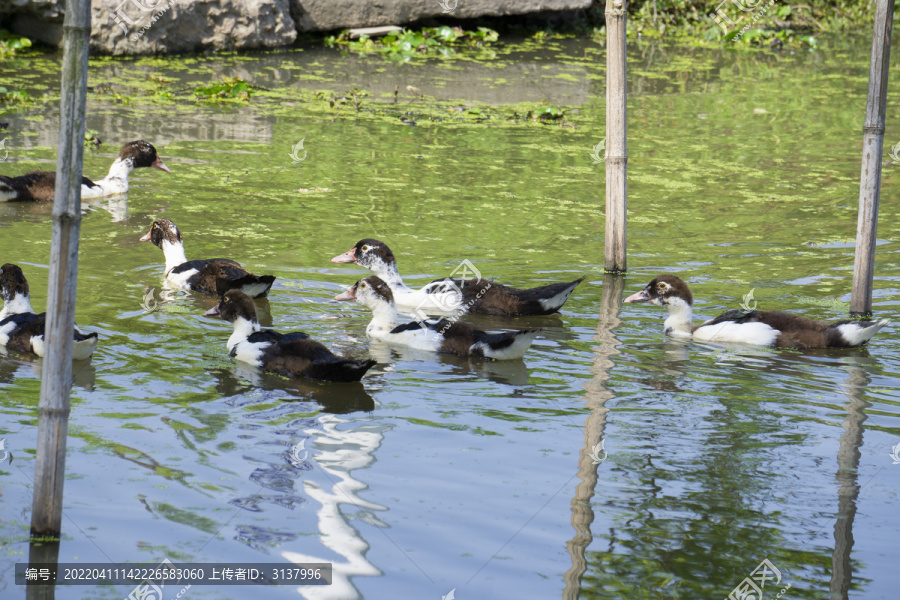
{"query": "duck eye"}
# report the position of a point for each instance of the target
(365, 248)
(662, 285)
(362, 285)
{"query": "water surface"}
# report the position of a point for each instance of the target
(439, 473)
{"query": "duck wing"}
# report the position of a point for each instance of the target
(485, 297)
(21, 328)
(308, 358)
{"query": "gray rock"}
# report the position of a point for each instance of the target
(166, 26)
(163, 26)
(324, 15)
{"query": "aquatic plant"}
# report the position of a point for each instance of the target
(11, 43)
(230, 88)
(429, 41)
(15, 96)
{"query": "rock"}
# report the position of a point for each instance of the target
(167, 26)
(324, 15)
(164, 26)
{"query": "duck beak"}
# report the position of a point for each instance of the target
(146, 238)
(348, 295)
(158, 164)
(213, 312)
(641, 296)
(347, 257)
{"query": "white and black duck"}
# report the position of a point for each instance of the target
(290, 354)
(21, 329)
(441, 335)
(210, 276)
(40, 186)
(757, 327)
(455, 295)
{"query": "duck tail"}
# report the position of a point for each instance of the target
(7, 194)
(856, 333)
(85, 344)
(340, 370)
(504, 346)
(548, 299)
(255, 286)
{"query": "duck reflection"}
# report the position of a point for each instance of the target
(167, 298)
(343, 445)
(335, 398)
(511, 372)
(15, 365)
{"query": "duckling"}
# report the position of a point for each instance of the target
(290, 354)
(758, 327)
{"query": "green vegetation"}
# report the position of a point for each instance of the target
(745, 23)
(230, 88)
(11, 43)
(407, 44)
(15, 97)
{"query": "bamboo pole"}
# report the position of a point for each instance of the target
(615, 255)
(46, 517)
(870, 177)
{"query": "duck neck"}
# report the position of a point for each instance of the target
(120, 169)
(384, 315)
(680, 318)
(389, 274)
(174, 253)
(18, 305)
(243, 328)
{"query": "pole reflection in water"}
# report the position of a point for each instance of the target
(45, 554)
(342, 445)
(596, 396)
(848, 486)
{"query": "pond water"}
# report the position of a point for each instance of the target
(437, 473)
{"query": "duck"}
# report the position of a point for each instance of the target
(212, 276)
(40, 186)
(757, 327)
(293, 355)
(21, 329)
(442, 335)
(456, 295)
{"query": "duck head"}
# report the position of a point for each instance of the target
(673, 293)
(12, 282)
(234, 305)
(141, 154)
(376, 295)
(165, 235)
(163, 230)
(237, 308)
(375, 256)
(371, 292)
(664, 290)
(14, 291)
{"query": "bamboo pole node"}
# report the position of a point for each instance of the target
(77, 28)
(879, 129)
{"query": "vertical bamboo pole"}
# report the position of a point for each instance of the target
(53, 424)
(870, 177)
(615, 255)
